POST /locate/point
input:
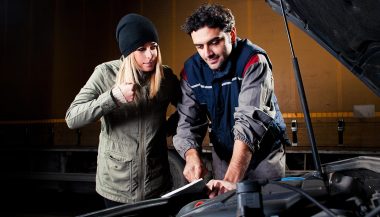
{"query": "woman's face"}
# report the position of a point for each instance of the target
(146, 56)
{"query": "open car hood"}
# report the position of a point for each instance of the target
(348, 29)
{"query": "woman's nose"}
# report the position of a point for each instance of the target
(149, 53)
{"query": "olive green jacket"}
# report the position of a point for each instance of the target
(132, 154)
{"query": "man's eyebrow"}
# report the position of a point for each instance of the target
(211, 40)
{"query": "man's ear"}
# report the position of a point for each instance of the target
(233, 35)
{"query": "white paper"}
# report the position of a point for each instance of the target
(193, 187)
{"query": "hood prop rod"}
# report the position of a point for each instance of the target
(301, 92)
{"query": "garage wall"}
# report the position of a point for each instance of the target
(49, 49)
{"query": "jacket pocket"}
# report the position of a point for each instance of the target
(116, 172)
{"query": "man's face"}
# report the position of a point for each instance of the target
(213, 45)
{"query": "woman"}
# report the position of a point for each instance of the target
(130, 96)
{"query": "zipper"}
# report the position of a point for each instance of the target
(142, 152)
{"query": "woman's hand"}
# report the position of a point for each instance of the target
(128, 90)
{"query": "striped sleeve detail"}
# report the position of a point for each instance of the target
(184, 74)
(254, 59)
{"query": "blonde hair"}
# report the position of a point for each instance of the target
(129, 73)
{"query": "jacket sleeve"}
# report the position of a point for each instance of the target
(92, 102)
(175, 96)
(192, 124)
(256, 110)
(175, 86)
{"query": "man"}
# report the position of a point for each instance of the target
(228, 84)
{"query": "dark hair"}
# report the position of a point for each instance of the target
(210, 15)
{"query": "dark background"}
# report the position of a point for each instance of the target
(49, 48)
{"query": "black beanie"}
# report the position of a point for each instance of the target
(133, 31)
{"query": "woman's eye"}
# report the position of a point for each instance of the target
(141, 49)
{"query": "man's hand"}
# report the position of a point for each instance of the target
(217, 187)
(194, 168)
(241, 156)
(237, 167)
